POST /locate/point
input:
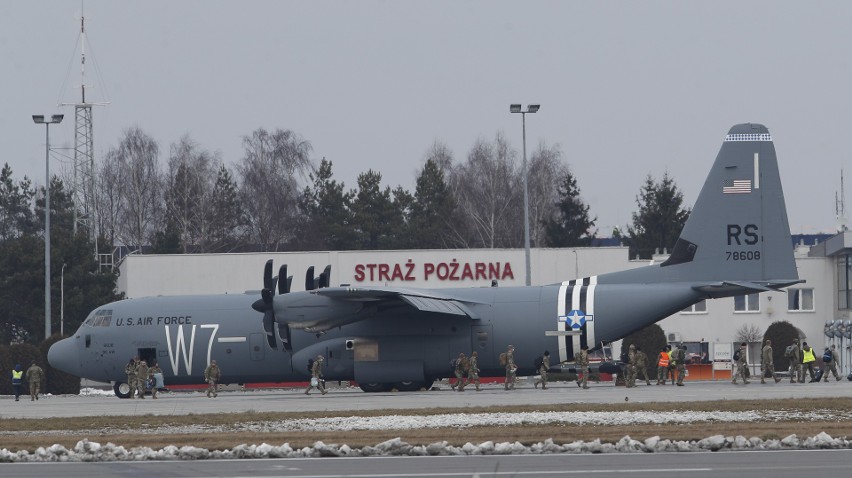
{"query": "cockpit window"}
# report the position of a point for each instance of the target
(101, 318)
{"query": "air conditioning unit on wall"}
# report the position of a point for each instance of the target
(675, 337)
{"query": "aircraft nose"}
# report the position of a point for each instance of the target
(63, 355)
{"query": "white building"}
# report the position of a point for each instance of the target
(825, 295)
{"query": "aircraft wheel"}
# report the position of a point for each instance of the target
(121, 389)
(409, 386)
(375, 387)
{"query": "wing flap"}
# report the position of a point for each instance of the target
(441, 306)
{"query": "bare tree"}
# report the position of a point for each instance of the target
(488, 197)
(138, 176)
(108, 198)
(269, 189)
(546, 168)
(749, 333)
(190, 178)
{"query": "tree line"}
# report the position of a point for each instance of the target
(276, 197)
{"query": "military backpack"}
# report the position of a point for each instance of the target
(538, 362)
(310, 365)
(503, 359)
(826, 357)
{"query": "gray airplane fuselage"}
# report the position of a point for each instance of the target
(183, 333)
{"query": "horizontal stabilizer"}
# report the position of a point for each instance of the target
(731, 288)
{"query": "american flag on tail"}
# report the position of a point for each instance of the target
(736, 186)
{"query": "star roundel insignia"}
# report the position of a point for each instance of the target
(576, 318)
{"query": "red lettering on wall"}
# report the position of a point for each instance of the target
(428, 269)
(507, 272)
(480, 271)
(383, 272)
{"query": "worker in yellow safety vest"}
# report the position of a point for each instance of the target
(808, 360)
(17, 380)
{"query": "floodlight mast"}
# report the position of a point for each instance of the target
(516, 108)
(54, 119)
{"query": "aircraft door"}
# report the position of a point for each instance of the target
(481, 341)
(257, 343)
(148, 355)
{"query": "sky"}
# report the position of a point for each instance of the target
(627, 89)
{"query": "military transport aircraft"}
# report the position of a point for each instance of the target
(736, 241)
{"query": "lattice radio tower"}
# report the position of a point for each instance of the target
(83, 177)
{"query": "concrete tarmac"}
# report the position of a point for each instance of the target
(752, 464)
(353, 399)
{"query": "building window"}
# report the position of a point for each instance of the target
(800, 299)
(746, 303)
(699, 308)
(844, 282)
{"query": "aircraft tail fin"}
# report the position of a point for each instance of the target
(738, 231)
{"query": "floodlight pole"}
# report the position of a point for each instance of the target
(516, 108)
(39, 119)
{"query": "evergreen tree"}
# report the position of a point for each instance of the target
(433, 206)
(650, 340)
(227, 218)
(782, 334)
(168, 241)
(16, 216)
(660, 219)
(570, 225)
(373, 213)
(22, 275)
(326, 219)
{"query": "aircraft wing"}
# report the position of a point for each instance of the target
(338, 306)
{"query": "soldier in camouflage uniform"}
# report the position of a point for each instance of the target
(795, 358)
(142, 378)
(35, 375)
(212, 374)
(152, 372)
(473, 370)
(130, 370)
(582, 361)
(767, 363)
(681, 364)
(542, 370)
(831, 366)
(511, 368)
(316, 373)
(460, 372)
(642, 365)
(631, 366)
(741, 365)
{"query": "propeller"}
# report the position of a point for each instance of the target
(265, 304)
(284, 283)
(325, 277)
(310, 282)
(320, 282)
(284, 280)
